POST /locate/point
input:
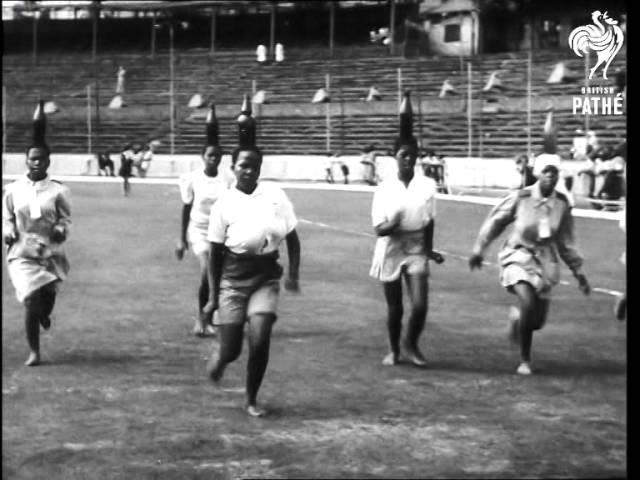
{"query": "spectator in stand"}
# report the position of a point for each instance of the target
(525, 170)
(120, 80)
(145, 159)
(344, 168)
(105, 165)
(369, 156)
(328, 168)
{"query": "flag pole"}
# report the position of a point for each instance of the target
(328, 112)
(469, 110)
(529, 65)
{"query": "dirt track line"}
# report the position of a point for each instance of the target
(605, 291)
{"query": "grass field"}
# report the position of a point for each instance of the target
(123, 392)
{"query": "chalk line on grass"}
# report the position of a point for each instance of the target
(577, 212)
(606, 291)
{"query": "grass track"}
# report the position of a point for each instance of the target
(123, 392)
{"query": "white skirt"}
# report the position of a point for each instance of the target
(403, 251)
(539, 269)
(29, 275)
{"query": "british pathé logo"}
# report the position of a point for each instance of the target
(604, 37)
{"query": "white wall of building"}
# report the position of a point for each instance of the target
(468, 43)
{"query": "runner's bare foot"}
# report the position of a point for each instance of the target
(391, 359)
(33, 360)
(255, 411)
(415, 356)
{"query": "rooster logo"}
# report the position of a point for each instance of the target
(603, 38)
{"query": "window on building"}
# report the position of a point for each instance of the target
(452, 33)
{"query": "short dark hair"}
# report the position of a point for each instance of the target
(42, 146)
(237, 150)
(218, 149)
(412, 143)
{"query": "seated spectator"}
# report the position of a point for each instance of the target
(126, 167)
(136, 157)
(145, 162)
(369, 155)
(525, 170)
(105, 165)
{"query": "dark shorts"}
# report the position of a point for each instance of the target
(249, 285)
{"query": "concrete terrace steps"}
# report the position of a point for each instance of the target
(228, 77)
(500, 135)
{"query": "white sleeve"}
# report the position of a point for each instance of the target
(186, 188)
(378, 214)
(288, 212)
(217, 230)
(431, 201)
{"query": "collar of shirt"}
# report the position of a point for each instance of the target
(540, 200)
(38, 184)
(259, 190)
(399, 183)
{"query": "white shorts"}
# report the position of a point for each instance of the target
(198, 240)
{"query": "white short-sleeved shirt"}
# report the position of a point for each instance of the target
(416, 203)
(253, 223)
(202, 192)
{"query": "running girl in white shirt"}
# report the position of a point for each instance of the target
(246, 227)
(403, 216)
(199, 190)
(36, 216)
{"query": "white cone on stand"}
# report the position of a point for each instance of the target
(116, 102)
(51, 107)
(373, 94)
(196, 101)
(493, 83)
(447, 89)
(321, 96)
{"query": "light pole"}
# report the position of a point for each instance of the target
(171, 93)
(172, 105)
